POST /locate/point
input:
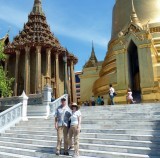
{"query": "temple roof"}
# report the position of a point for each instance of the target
(5, 39)
(36, 32)
(92, 62)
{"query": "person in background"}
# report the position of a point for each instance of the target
(75, 127)
(99, 100)
(83, 104)
(92, 100)
(87, 103)
(52, 98)
(130, 97)
(102, 101)
(111, 94)
(62, 115)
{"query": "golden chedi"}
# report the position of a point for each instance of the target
(133, 57)
(90, 74)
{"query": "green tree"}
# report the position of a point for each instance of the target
(5, 82)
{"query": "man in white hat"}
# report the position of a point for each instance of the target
(62, 115)
(75, 127)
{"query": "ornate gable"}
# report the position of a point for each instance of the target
(134, 25)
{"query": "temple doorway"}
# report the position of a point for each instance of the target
(134, 73)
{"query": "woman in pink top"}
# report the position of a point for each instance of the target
(130, 97)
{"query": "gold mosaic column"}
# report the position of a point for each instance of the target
(57, 74)
(48, 62)
(121, 71)
(16, 72)
(73, 87)
(69, 83)
(38, 69)
(145, 66)
(27, 70)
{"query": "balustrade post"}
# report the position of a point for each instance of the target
(24, 100)
(47, 99)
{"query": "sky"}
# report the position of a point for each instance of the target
(74, 22)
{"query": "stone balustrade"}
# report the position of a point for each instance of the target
(14, 114)
(34, 99)
(10, 116)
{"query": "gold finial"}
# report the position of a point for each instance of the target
(37, 8)
(134, 17)
(133, 8)
(9, 30)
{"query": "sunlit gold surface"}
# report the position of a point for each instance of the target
(144, 32)
(147, 10)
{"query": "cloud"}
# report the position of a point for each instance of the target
(12, 16)
(79, 33)
(59, 25)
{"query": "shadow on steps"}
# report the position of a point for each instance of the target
(155, 145)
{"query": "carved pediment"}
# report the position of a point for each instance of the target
(131, 28)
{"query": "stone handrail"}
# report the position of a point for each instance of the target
(10, 116)
(54, 105)
(14, 114)
(34, 99)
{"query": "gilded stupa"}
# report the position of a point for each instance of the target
(133, 56)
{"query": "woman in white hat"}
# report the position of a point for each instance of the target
(75, 128)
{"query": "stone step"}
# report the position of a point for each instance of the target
(91, 153)
(147, 114)
(131, 143)
(124, 116)
(107, 131)
(140, 117)
(11, 155)
(125, 109)
(52, 136)
(43, 120)
(141, 108)
(126, 106)
(93, 123)
(89, 111)
(24, 152)
(105, 108)
(93, 114)
(42, 114)
(119, 108)
(92, 126)
(98, 128)
(50, 123)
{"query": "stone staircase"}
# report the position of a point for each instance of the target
(131, 131)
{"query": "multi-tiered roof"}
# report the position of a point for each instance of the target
(36, 32)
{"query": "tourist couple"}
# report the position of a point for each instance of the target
(68, 122)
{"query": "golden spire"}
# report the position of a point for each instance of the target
(134, 17)
(93, 52)
(92, 60)
(133, 8)
(37, 8)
